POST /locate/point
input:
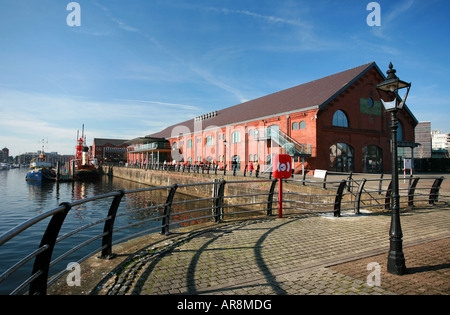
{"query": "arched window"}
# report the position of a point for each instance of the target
(189, 143)
(236, 163)
(302, 125)
(236, 137)
(340, 119)
(209, 141)
(295, 126)
(341, 157)
(372, 159)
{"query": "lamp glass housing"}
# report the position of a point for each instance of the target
(392, 86)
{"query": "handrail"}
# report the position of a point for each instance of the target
(222, 205)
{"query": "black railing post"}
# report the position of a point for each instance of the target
(270, 199)
(434, 192)
(411, 190)
(338, 199)
(350, 180)
(219, 191)
(358, 195)
(388, 199)
(109, 226)
(42, 262)
(167, 210)
(380, 184)
(325, 181)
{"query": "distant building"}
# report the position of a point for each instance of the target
(440, 141)
(4, 155)
(52, 157)
(336, 123)
(423, 137)
(109, 150)
(149, 150)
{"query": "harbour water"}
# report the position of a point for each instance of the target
(21, 200)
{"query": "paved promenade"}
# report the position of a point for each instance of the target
(294, 255)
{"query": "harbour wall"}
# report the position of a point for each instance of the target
(158, 178)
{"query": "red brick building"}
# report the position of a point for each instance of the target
(336, 123)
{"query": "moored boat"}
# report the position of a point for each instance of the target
(85, 167)
(40, 169)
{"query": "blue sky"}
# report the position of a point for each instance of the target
(134, 67)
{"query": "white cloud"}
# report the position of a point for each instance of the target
(31, 117)
(265, 18)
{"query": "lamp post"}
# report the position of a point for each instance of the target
(224, 154)
(391, 86)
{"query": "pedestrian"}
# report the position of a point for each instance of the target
(250, 168)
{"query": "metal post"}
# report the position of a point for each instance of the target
(358, 195)
(280, 199)
(411, 190)
(42, 262)
(388, 198)
(338, 199)
(219, 191)
(396, 259)
(167, 210)
(57, 171)
(434, 192)
(270, 199)
(109, 226)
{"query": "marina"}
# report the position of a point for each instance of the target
(23, 200)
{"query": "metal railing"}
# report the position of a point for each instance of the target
(252, 197)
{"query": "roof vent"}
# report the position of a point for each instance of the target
(206, 116)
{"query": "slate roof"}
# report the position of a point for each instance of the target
(314, 94)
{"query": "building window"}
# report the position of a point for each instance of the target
(302, 125)
(372, 159)
(341, 157)
(236, 163)
(340, 119)
(209, 141)
(295, 126)
(236, 137)
(189, 143)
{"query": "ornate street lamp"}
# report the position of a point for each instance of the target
(390, 87)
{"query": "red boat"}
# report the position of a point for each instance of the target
(85, 167)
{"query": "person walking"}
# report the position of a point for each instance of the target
(250, 168)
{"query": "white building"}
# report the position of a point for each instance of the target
(440, 141)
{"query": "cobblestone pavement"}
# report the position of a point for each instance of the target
(294, 255)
